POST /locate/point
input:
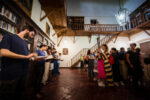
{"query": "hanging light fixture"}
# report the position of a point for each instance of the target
(122, 15)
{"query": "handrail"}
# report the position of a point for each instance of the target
(96, 27)
(78, 55)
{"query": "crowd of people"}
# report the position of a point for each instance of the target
(14, 65)
(45, 69)
(115, 68)
(109, 69)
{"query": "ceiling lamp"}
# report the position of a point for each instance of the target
(122, 16)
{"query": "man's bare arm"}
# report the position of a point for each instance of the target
(9, 54)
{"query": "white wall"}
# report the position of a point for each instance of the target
(140, 37)
(74, 48)
(120, 42)
(82, 42)
(125, 42)
(37, 13)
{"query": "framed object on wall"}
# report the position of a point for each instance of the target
(65, 51)
(47, 29)
(25, 5)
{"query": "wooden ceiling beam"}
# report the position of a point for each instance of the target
(116, 38)
(148, 33)
(90, 38)
(62, 33)
(59, 31)
(74, 37)
(46, 15)
(145, 30)
(129, 36)
(60, 41)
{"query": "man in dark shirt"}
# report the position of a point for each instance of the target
(134, 61)
(39, 70)
(15, 64)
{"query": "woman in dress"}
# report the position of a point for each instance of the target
(101, 71)
(107, 66)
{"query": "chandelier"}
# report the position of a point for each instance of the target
(122, 16)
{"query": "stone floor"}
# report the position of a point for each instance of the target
(73, 84)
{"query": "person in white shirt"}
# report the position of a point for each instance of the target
(47, 68)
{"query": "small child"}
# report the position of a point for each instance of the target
(101, 72)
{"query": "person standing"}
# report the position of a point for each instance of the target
(59, 60)
(55, 71)
(81, 62)
(14, 69)
(116, 68)
(85, 63)
(39, 70)
(108, 69)
(46, 69)
(101, 72)
(123, 65)
(133, 59)
(91, 64)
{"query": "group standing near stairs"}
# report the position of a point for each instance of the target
(114, 68)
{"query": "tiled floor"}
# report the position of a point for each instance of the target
(73, 84)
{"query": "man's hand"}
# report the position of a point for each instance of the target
(31, 55)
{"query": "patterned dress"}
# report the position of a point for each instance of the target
(101, 70)
(108, 69)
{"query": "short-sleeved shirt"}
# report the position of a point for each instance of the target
(81, 58)
(41, 53)
(13, 68)
(92, 56)
(122, 56)
(134, 57)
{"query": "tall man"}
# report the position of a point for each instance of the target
(15, 64)
(133, 59)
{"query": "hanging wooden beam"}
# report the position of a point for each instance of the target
(129, 36)
(89, 37)
(62, 33)
(116, 37)
(146, 32)
(60, 41)
(98, 41)
(64, 29)
(74, 37)
(46, 15)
